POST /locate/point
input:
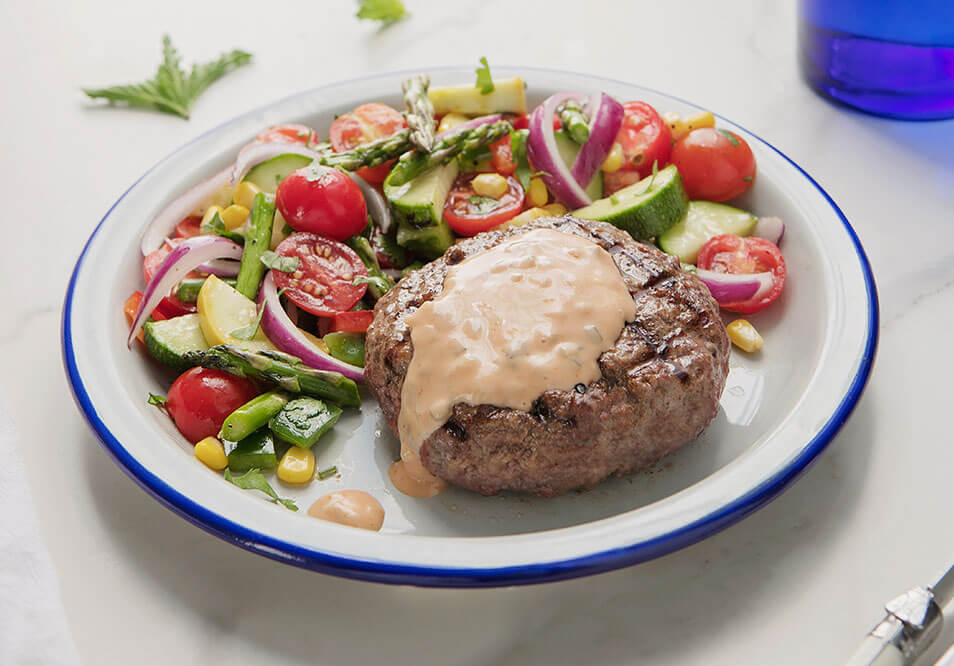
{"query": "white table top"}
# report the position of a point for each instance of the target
(801, 581)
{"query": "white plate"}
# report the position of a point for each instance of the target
(780, 408)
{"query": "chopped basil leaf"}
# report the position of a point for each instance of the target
(325, 473)
(484, 82)
(730, 136)
(747, 179)
(279, 262)
(386, 11)
(518, 151)
(482, 205)
(255, 480)
(376, 280)
(216, 227)
(248, 332)
(156, 400)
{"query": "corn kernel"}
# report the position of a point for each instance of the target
(555, 209)
(700, 119)
(523, 218)
(451, 120)
(297, 466)
(491, 185)
(245, 194)
(614, 160)
(210, 453)
(537, 194)
(744, 336)
(677, 125)
(234, 216)
(209, 214)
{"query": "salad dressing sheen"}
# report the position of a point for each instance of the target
(530, 315)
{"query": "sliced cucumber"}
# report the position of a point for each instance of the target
(267, 175)
(703, 221)
(645, 209)
(429, 242)
(568, 150)
(420, 203)
(170, 340)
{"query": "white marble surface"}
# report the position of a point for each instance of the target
(801, 581)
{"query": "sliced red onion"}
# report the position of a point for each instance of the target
(771, 229)
(474, 122)
(256, 153)
(543, 154)
(291, 339)
(735, 287)
(220, 267)
(606, 117)
(377, 207)
(187, 256)
(181, 208)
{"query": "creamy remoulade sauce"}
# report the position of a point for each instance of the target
(349, 507)
(530, 315)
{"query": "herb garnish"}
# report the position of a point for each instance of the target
(484, 82)
(279, 262)
(386, 11)
(482, 205)
(747, 179)
(248, 332)
(255, 480)
(376, 281)
(156, 400)
(217, 226)
(729, 135)
(171, 90)
(325, 473)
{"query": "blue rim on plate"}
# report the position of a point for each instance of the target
(427, 576)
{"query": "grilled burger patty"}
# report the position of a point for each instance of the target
(659, 388)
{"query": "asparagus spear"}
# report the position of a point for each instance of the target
(378, 281)
(282, 369)
(370, 154)
(257, 240)
(188, 289)
(574, 121)
(252, 415)
(451, 144)
(420, 111)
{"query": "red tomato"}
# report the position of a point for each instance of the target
(200, 399)
(645, 139)
(189, 227)
(501, 156)
(130, 307)
(520, 122)
(353, 321)
(731, 254)
(291, 133)
(322, 284)
(469, 214)
(153, 260)
(617, 180)
(366, 123)
(322, 200)
(170, 306)
(715, 165)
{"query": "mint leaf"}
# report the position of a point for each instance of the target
(255, 480)
(279, 262)
(386, 11)
(484, 82)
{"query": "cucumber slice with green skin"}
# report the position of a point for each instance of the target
(645, 209)
(303, 421)
(420, 203)
(267, 175)
(429, 242)
(170, 340)
(258, 450)
(703, 221)
(568, 150)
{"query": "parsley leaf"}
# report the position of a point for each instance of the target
(730, 136)
(386, 11)
(255, 480)
(217, 227)
(156, 400)
(279, 262)
(484, 82)
(171, 90)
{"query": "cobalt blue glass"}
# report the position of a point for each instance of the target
(892, 58)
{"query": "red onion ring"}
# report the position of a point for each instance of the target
(180, 208)
(187, 256)
(377, 206)
(735, 287)
(290, 339)
(543, 154)
(606, 117)
(771, 229)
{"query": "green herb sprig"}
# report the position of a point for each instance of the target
(386, 11)
(255, 480)
(484, 82)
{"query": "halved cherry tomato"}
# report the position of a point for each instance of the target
(291, 133)
(501, 156)
(715, 164)
(645, 139)
(322, 283)
(322, 200)
(153, 260)
(353, 321)
(189, 227)
(469, 214)
(200, 399)
(732, 254)
(130, 307)
(366, 123)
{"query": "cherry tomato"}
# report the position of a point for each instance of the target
(292, 133)
(170, 306)
(189, 227)
(520, 122)
(731, 254)
(353, 321)
(153, 260)
(469, 214)
(322, 284)
(322, 200)
(645, 139)
(715, 165)
(501, 156)
(130, 307)
(200, 399)
(366, 123)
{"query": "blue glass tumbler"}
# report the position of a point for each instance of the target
(892, 58)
